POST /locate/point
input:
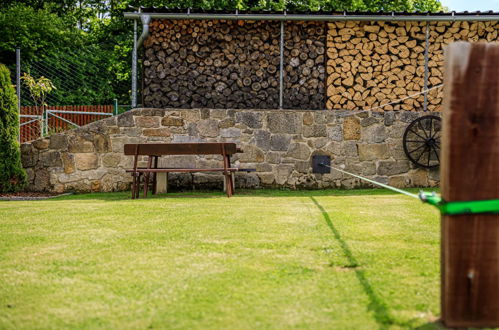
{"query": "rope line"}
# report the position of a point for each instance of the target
(405, 98)
(400, 191)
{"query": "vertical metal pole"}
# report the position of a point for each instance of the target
(281, 68)
(134, 66)
(426, 52)
(46, 122)
(115, 105)
(18, 89)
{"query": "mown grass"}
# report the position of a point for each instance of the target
(328, 259)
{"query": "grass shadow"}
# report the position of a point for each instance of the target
(376, 304)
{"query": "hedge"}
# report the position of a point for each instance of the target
(12, 174)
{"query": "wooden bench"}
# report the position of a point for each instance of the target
(155, 150)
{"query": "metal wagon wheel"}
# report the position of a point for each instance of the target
(422, 141)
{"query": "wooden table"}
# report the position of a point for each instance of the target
(155, 150)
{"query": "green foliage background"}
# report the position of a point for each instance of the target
(47, 31)
(12, 175)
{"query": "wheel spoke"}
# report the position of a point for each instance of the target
(421, 146)
(429, 154)
(436, 154)
(420, 141)
(419, 157)
(421, 126)
(431, 127)
(410, 129)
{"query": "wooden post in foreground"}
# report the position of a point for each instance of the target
(470, 171)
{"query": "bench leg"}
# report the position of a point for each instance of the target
(233, 183)
(134, 184)
(137, 192)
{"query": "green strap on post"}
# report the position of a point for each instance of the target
(460, 207)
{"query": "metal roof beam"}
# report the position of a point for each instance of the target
(317, 17)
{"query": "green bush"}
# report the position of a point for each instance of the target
(12, 175)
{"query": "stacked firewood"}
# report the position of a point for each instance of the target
(373, 63)
(443, 33)
(212, 64)
(304, 70)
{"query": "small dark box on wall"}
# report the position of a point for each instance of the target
(317, 160)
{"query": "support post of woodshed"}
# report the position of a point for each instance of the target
(470, 171)
(281, 67)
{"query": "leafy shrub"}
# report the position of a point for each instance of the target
(12, 175)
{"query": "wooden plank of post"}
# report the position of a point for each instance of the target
(470, 171)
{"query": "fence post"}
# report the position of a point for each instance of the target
(470, 171)
(115, 107)
(18, 88)
(134, 65)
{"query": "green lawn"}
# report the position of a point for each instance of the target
(362, 259)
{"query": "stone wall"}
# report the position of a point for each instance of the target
(278, 144)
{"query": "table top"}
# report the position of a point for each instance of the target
(191, 148)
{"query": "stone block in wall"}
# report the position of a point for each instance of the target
(351, 128)
(335, 132)
(29, 155)
(250, 119)
(390, 167)
(41, 144)
(50, 158)
(208, 128)
(230, 132)
(251, 154)
(68, 162)
(42, 179)
(285, 122)
(147, 122)
(59, 141)
(102, 143)
(172, 121)
(111, 159)
(373, 151)
(419, 178)
(399, 181)
(299, 151)
(314, 131)
(81, 144)
(280, 142)
(126, 119)
(160, 132)
(373, 134)
(86, 161)
(262, 139)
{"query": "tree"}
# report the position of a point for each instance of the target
(37, 32)
(12, 175)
